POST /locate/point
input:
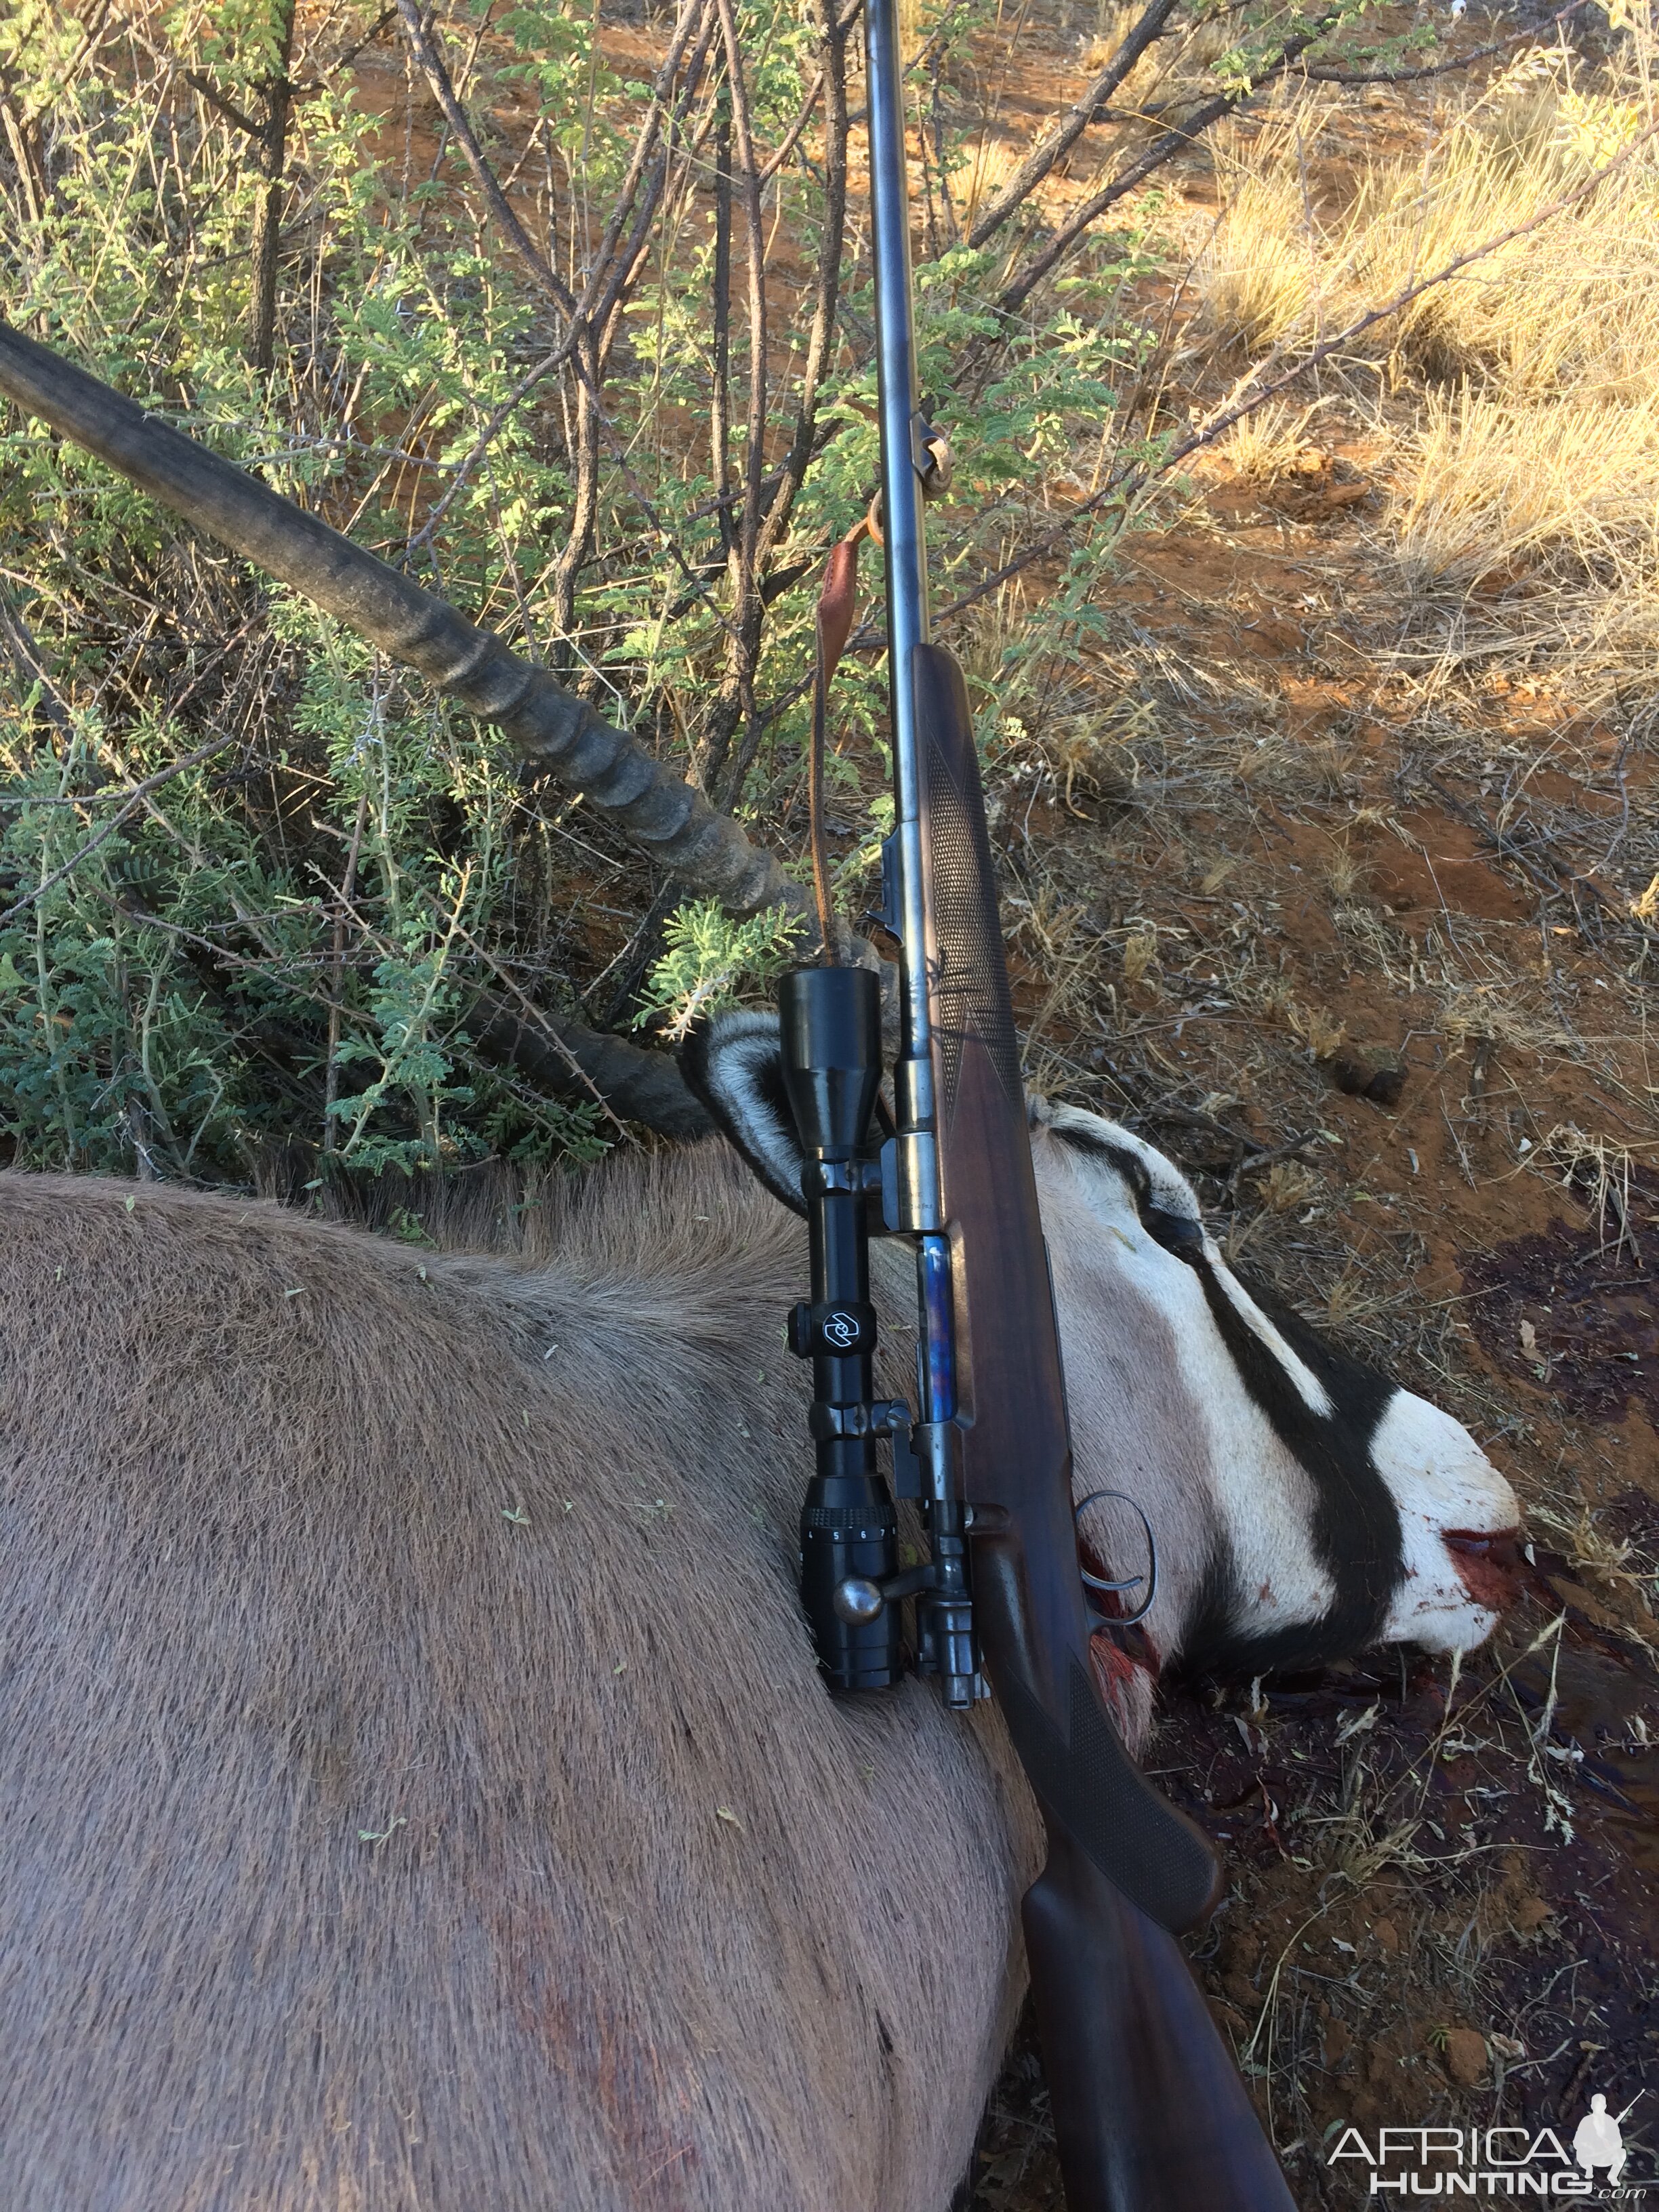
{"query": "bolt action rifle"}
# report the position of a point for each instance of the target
(1150, 2113)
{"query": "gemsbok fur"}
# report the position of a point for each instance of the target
(417, 1792)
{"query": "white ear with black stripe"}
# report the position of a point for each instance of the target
(734, 1063)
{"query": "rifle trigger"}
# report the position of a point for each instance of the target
(1098, 1582)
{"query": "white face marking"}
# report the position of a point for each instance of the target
(1440, 1479)
(1158, 1409)
(1172, 1192)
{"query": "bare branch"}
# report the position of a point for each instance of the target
(426, 51)
(791, 135)
(1532, 31)
(1058, 141)
(30, 663)
(833, 78)
(591, 322)
(278, 92)
(215, 98)
(1015, 295)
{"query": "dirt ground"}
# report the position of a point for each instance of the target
(1340, 916)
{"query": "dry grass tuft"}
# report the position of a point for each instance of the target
(1272, 444)
(1345, 872)
(1316, 1028)
(1575, 304)
(1140, 952)
(1535, 457)
(1601, 1169)
(1261, 275)
(1493, 486)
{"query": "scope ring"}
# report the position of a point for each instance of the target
(1094, 1582)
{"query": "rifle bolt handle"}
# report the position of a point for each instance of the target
(857, 1601)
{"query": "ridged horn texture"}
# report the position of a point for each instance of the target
(657, 809)
(559, 1055)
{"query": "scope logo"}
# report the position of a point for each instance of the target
(1454, 2162)
(840, 1329)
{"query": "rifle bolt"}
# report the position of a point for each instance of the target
(857, 1601)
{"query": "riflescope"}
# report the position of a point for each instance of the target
(832, 1022)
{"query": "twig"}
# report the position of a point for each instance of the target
(1449, 68)
(1134, 477)
(541, 1021)
(278, 92)
(348, 887)
(1552, 879)
(135, 798)
(25, 650)
(1462, 1157)
(592, 321)
(426, 52)
(1059, 140)
(831, 238)
(1251, 1163)
(790, 137)
(1014, 295)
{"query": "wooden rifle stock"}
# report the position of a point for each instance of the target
(1149, 2110)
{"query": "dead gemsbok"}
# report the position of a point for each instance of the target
(416, 1792)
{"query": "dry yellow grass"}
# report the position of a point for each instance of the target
(1534, 450)
(1574, 305)
(1492, 482)
(1272, 443)
(1264, 271)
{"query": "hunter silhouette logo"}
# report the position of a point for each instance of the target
(1507, 2161)
(1597, 2141)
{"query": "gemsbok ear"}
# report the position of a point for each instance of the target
(734, 1063)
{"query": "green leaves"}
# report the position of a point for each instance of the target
(710, 960)
(286, 946)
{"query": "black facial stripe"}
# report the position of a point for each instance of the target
(1179, 1233)
(1129, 1164)
(1356, 1525)
(1210, 1643)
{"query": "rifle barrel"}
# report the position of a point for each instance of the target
(904, 547)
(905, 554)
